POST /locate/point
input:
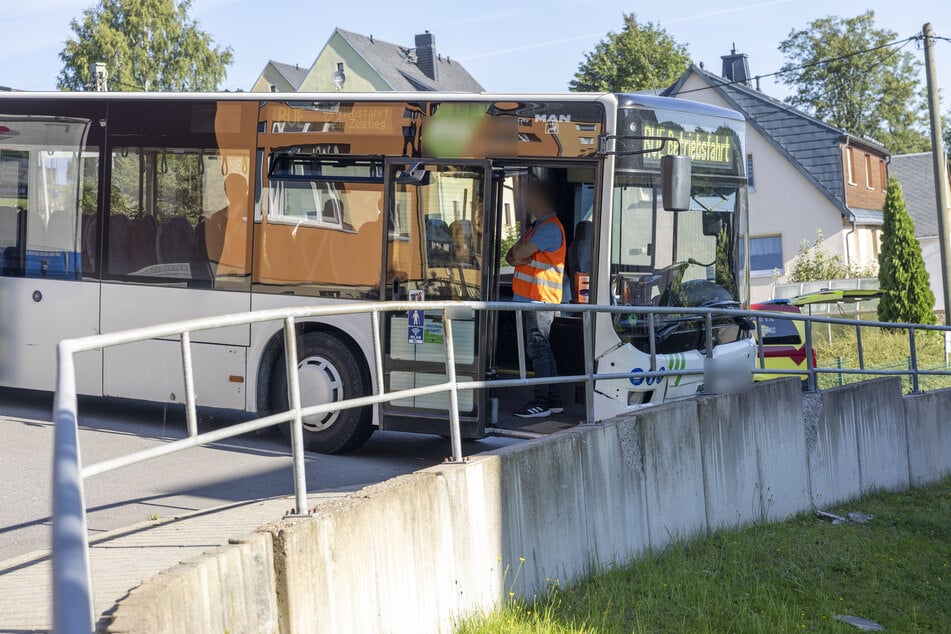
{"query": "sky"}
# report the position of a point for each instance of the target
(527, 46)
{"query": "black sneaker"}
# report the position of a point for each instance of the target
(534, 410)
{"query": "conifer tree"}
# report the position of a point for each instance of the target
(906, 287)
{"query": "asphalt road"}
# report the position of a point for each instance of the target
(244, 468)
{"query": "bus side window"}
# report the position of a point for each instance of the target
(178, 215)
(39, 209)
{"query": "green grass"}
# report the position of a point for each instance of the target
(792, 576)
(882, 350)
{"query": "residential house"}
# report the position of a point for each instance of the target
(915, 172)
(280, 77)
(351, 62)
(804, 175)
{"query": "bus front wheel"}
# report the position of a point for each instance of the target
(329, 372)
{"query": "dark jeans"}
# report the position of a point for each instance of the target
(538, 349)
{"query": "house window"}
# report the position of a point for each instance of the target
(766, 254)
(868, 171)
(850, 164)
(749, 172)
(883, 175)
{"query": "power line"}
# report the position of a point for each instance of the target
(787, 107)
(820, 62)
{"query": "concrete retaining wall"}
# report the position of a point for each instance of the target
(861, 441)
(418, 552)
(928, 421)
(230, 589)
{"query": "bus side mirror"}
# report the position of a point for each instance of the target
(675, 182)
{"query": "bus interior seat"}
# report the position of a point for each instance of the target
(89, 243)
(177, 243)
(201, 242)
(12, 240)
(120, 259)
(142, 242)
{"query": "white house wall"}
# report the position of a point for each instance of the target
(785, 203)
(931, 252)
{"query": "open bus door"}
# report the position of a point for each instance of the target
(435, 248)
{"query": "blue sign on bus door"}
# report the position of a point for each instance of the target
(416, 322)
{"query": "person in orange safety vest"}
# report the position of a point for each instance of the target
(539, 261)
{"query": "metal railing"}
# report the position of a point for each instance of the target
(72, 595)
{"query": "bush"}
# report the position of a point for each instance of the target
(813, 263)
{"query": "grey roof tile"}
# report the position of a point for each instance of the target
(397, 65)
(810, 144)
(916, 175)
(293, 73)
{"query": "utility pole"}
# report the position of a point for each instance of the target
(940, 170)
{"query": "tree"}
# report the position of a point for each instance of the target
(641, 56)
(906, 288)
(146, 45)
(874, 94)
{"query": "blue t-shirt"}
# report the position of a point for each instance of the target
(547, 238)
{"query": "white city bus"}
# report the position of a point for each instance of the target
(122, 210)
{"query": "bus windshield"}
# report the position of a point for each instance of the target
(692, 258)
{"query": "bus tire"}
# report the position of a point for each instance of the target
(329, 370)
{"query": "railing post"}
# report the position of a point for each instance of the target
(455, 435)
(858, 343)
(759, 344)
(838, 364)
(72, 584)
(913, 360)
(520, 336)
(191, 416)
(297, 423)
(588, 368)
(711, 381)
(708, 333)
(652, 342)
(377, 351)
(811, 379)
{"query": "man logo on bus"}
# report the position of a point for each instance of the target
(552, 121)
(553, 118)
(650, 380)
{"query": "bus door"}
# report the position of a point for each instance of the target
(435, 249)
(48, 177)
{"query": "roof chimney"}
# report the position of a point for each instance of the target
(736, 67)
(426, 55)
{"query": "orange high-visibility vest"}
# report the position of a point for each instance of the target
(542, 279)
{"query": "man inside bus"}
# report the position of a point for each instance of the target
(539, 261)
